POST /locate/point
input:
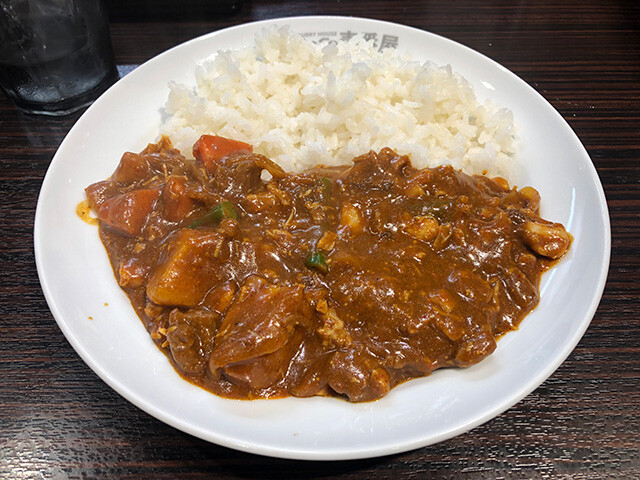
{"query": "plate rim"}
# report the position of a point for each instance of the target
(363, 452)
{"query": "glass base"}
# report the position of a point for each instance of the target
(68, 106)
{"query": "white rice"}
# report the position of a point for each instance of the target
(301, 104)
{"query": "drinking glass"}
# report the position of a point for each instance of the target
(55, 55)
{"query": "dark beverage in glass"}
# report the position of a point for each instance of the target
(55, 55)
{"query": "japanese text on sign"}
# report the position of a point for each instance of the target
(380, 41)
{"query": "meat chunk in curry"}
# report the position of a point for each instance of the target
(337, 281)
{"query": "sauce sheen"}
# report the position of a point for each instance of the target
(341, 281)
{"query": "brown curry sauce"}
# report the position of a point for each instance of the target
(334, 281)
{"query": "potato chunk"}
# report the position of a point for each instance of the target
(195, 263)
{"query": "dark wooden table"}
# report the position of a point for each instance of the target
(59, 420)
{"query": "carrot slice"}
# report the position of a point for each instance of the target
(129, 211)
(210, 149)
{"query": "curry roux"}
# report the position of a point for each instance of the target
(335, 281)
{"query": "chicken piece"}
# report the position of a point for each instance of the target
(332, 330)
(132, 273)
(240, 174)
(220, 297)
(547, 239)
(191, 333)
(432, 316)
(470, 287)
(194, 264)
(229, 228)
(328, 241)
(163, 147)
(443, 236)
(414, 190)
(532, 196)
(452, 326)
(444, 299)
(423, 228)
(313, 378)
(264, 202)
(185, 347)
(473, 348)
(259, 322)
(176, 202)
(375, 171)
(358, 375)
(268, 369)
(517, 285)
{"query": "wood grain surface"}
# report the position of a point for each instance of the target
(59, 420)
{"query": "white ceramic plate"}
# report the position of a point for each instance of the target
(78, 282)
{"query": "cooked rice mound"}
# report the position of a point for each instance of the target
(302, 104)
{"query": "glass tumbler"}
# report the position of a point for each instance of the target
(55, 55)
